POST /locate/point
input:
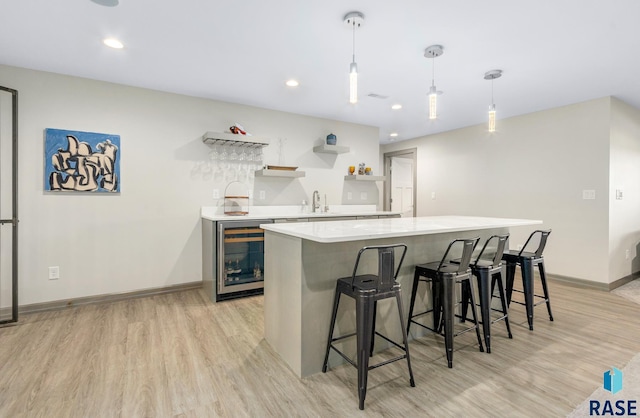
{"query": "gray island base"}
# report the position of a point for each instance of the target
(303, 262)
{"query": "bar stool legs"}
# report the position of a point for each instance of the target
(364, 322)
(527, 266)
(497, 280)
(485, 306)
(545, 290)
(443, 297)
(365, 332)
(334, 313)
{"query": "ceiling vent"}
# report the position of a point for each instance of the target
(377, 96)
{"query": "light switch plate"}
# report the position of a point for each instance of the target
(54, 273)
(588, 194)
(349, 196)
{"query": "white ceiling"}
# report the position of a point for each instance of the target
(552, 53)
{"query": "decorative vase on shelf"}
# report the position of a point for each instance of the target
(331, 139)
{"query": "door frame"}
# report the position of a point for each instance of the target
(14, 216)
(410, 153)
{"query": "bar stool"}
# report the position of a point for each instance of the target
(367, 290)
(528, 260)
(443, 275)
(489, 274)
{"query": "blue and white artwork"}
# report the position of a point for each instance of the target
(76, 161)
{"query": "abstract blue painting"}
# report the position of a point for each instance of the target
(76, 161)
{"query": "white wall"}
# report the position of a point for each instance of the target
(536, 166)
(149, 235)
(624, 215)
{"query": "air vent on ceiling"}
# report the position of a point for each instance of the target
(377, 96)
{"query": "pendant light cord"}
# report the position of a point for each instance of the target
(433, 71)
(354, 40)
(492, 91)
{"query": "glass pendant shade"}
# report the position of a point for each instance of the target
(492, 118)
(433, 103)
(353, 83)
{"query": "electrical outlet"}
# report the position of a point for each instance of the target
(349, 196)
(216, 194)
(54, 273)
(263, 195)
(363, 195)
(626, 254)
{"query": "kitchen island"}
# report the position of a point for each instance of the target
(303, 262)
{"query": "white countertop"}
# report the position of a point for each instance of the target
(342, 231)
(213, 213)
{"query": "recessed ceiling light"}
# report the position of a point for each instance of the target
(396, 106)
(108, 3)
(113, 43)
(393, 134)
(292, 83)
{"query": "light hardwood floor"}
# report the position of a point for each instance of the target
(180, 355)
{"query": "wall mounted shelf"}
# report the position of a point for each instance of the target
(279, 173)
(359, 177)
(331, 149)
(212, 138)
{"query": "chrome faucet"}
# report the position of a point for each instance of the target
(315, 205)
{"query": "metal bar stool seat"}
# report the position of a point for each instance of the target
(444, 275)
(367, 290)
(528, 261)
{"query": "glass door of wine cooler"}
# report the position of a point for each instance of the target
(240, 269)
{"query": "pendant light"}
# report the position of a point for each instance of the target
(434, 51)
(354, 20)
(492, 75)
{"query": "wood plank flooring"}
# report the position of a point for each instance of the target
(178, 355)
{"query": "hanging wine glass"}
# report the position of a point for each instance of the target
(223, 153)
(249, 155)
(214, 154)
(233, 155)
(242, 155)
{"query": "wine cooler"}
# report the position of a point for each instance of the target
(240, 258)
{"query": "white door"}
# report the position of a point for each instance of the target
(402, 186)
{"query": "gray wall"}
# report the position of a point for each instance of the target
(149, 235)
(624, 214)
(536, 166)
